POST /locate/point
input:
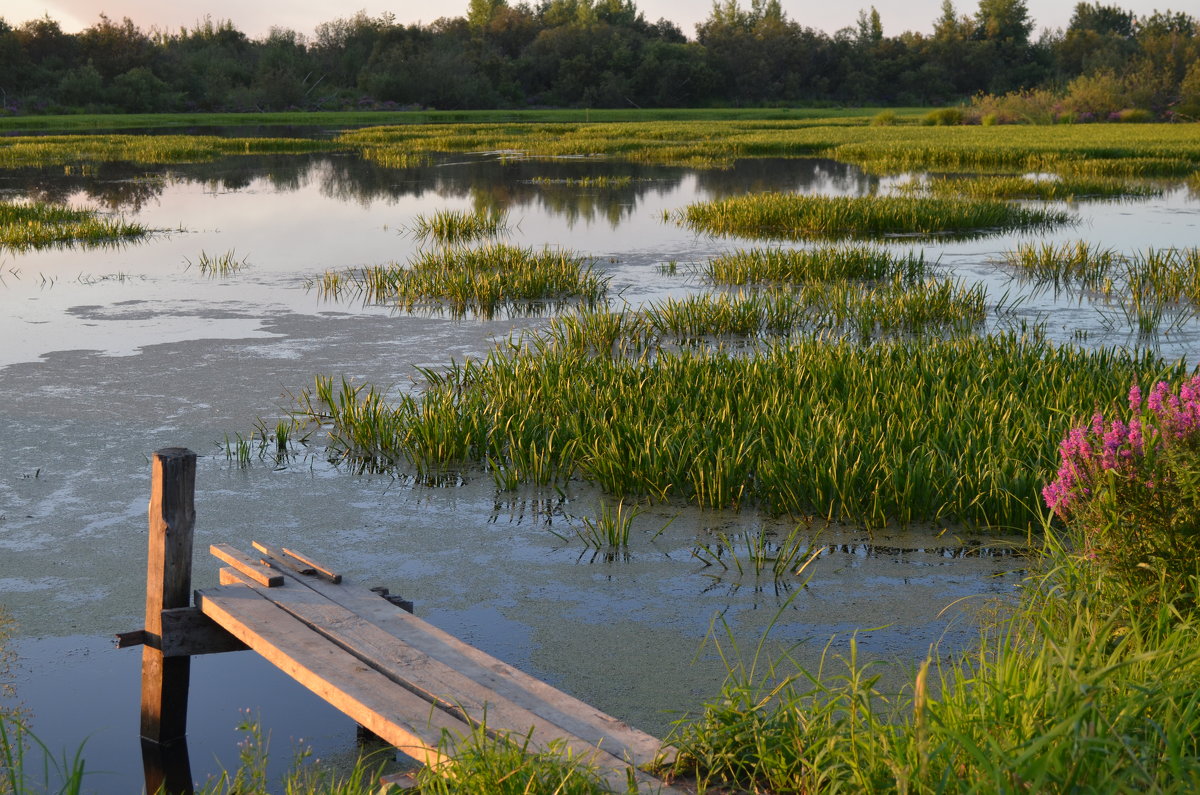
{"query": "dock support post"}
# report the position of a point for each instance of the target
(165, 680)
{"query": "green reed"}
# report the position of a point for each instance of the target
(1095, 149)
(827, 263)
(52, 150)
(610, 527)
(482, 280)
(39, 225)
(838, 307)
(797, 217)
(455, 226)
(1069, 692)
(1152, 290)
(213, 265)
(1022, 187)
(756, 553)
(585, 182)
(957, 430)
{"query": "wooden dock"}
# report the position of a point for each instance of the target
(415, 686)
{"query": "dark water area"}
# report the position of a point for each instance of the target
(112, 353)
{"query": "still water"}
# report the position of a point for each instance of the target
(109, 354)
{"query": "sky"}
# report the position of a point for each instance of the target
(256, 18)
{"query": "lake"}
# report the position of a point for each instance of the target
(112, 353)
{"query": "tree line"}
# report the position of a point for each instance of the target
(604, 53)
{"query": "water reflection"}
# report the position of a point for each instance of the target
(488, 182)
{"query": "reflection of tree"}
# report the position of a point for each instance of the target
(489, 183)
(772, 175)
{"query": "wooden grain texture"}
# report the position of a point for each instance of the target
(172, 517)
(448, 689)
(332, 673)
(256, 571)
(567, 712)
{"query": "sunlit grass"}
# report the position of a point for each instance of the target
(457, 226)
(959, 430)
(482, 280)
(796, 216)
(52, 150)
(213, 265)
(39, 225)
(1054, 189)
(827, 263)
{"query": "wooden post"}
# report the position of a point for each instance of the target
(168, 585)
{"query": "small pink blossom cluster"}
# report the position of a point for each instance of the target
(1090, 451)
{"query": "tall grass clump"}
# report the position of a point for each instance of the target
(1067, 693)
(1055, 189)
(482, 280)
(944, 430)
(1079, 262)
(21, 775)
(449, 227)
(796, 217)
(53, 150)
(39, 225)
(213, 265)
(822, 264)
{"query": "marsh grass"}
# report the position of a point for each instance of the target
(70, 150)
(585, 182)
(821, 264)
(1068, 188)
(957, 430)
(450, 227)
(1068, 692)
(611, 526)
(21, 775)
(755, 553)
(214, 265)
(797, 217)
(1148, 292)
(1152, 150)
(481, 280)
(836, 308)
(40, 225)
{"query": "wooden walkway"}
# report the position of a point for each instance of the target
(415, 686)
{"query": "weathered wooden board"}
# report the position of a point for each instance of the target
(253, 569)
(573, 716)
(444, 687)
(332, 673)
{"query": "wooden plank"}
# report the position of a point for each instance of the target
(172, 517)
(263, 575)
(333, 674)
(187, 632)
(324, 572)
(567, 712)
(444, 687)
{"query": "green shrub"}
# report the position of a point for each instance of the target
(1134, 116)
(885, 118)
(943, 117)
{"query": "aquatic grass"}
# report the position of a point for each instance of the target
(1153, 290)
(822, 264)
(1067, 692)
(69, 150)
(957, 430)
(455, 226)
(63, 775)
(584, 182)
(38, 225)
(1024, 187)
(610, 527)
(831, 308)
(482, 280)
(757, 552)
(796, 217)
(1095, 149)
(504, 764)
(213, 265)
